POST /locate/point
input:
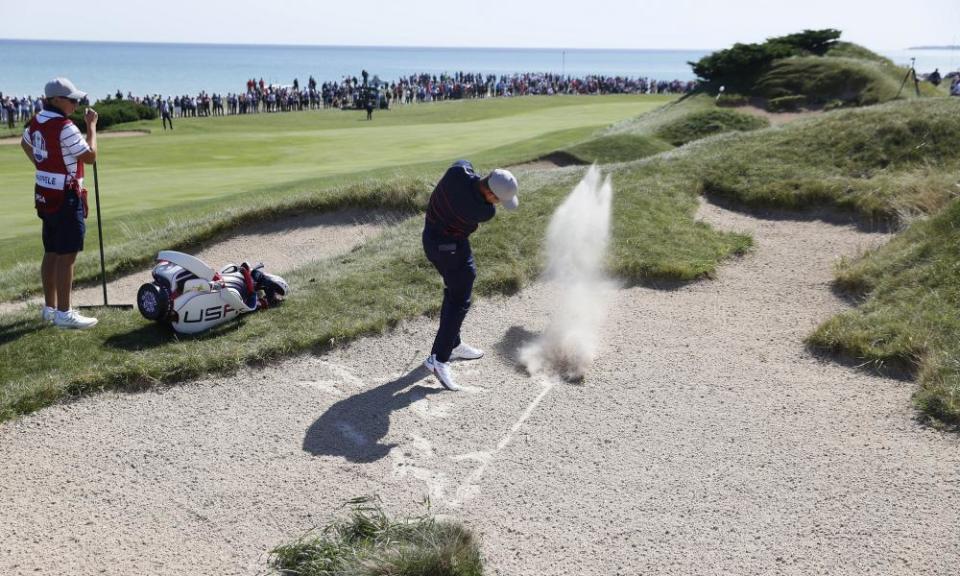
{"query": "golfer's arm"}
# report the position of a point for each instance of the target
(28, 150)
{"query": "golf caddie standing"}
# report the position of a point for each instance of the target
(459, 203)
(58, 151)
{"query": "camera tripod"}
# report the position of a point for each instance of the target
(911, 72)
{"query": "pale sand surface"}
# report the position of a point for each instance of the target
(706, 440)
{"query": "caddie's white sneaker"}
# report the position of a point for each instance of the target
(48, 313)
(73, 319)
(466, 352)
(442, 371)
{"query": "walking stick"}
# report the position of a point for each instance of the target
(103, 265)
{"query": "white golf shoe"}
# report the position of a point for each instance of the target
(442, 371)
(73, 320)
(466, 352)
(48, 314)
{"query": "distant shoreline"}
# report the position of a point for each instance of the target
(412, 47)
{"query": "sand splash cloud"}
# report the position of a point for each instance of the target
(577, 241)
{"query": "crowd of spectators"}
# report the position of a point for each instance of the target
(16, 111)
(260, 97)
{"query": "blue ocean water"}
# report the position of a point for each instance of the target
(102, 68)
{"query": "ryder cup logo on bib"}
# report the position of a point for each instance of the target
(39, 147)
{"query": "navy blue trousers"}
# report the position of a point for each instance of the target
(453, 259)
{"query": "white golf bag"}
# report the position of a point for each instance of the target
(191, 297)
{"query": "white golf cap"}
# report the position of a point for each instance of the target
(63, 88)
(504, 185)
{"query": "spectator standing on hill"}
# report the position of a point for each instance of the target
(58, 151)
(458, 204)
(10, 110)
(165, 115)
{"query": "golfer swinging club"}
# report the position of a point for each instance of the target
(460, 201)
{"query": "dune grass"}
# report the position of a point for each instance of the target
(910, 316)
(883, 162)
(673, 124)
(616, 148)
(176, 189)
(370, 543)
(700, 124)
(843, 80)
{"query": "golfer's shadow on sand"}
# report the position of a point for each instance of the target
(515, 339)
(353, 428)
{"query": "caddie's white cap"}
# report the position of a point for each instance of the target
(63, 88)
(504, 185)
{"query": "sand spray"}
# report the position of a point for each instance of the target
(577, 241)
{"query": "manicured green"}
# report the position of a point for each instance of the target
(172, 188)
(370, 543)
(910, 318)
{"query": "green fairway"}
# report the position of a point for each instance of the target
(209, 158)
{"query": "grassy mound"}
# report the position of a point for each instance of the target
(882, 162)
(616, 148)
(369, 543)
(649, 123)
(835, 81)
(911, 317)
(851, 50)
(811, 68)
(699, 125)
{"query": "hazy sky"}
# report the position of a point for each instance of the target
(879, 24)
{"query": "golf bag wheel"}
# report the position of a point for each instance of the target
(153, 301)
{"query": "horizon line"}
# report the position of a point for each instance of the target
(402, 46)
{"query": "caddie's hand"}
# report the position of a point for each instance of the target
(90, 116)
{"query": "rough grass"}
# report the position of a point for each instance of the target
(851, 50)
(823, 80)
(882, 162)
(649, 123)
(616, 148)
(911, 315)
(364, 292)
(699, 125)
(369, 543)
